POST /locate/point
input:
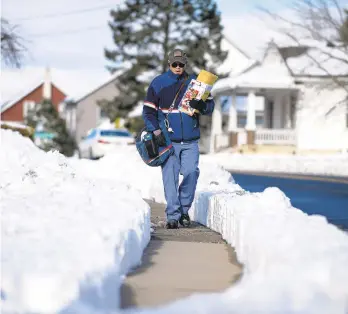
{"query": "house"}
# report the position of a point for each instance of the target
(84, 113)
(291, 98)
(17, 109)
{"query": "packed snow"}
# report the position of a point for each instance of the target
(293, 262)
(327, 165)
(67, 238)
(72, 228)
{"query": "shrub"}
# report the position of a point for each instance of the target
(25, 131)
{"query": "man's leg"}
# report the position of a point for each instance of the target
(190, 171)
(170, 177)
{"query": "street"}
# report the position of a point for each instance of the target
(313, 195)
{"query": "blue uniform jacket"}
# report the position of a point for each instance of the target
(160, 96)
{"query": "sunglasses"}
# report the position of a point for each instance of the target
(175, 64)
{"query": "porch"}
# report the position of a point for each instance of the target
(254, 117)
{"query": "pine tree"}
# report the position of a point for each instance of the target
(145, 31)
(46, 115)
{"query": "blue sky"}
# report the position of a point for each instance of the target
(87, 32)
(79, 50)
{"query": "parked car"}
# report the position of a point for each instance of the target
(98, 142)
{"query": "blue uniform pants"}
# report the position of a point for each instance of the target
(185, 162)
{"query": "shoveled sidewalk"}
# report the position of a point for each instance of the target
(178, 263)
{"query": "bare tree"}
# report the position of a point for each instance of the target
(319, 24)
(12, 47)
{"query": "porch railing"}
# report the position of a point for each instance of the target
(222, 141)
(275, 137)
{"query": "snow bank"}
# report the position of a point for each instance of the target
(130, 169)
(71, 228)
(334, 165)
(293, 263)
(67, 238)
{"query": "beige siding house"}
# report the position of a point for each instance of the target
(85, 114)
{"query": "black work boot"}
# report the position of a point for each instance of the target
(172, 224)
(185, 220)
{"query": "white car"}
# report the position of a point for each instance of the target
(98, 142)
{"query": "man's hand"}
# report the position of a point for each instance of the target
(159, 138)
(200, 105)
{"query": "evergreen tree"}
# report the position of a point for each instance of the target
(145, 31)
(46, 115)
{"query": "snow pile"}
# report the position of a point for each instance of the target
(335, 165)
(66, 238)
(293, 262)
(71, 228)
(126, 165)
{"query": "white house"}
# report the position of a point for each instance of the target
(299, 92)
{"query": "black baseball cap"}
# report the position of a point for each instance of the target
(177, 55)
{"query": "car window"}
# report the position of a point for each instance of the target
(92, 134)
(115, 133)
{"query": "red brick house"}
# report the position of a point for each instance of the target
(16, 109)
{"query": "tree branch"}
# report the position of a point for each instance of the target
(12, 47)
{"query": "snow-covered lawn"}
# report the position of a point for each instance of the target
(71, 228)
(334, 165)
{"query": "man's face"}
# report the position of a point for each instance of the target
(177, 67)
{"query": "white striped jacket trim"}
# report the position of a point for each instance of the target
(167, 110)
(150, 104)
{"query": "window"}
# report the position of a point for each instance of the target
(61, 110)
(115, 133)
(28, 107)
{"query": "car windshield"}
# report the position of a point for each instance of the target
(115, 133)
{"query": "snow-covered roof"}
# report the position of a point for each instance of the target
(17, 83)
(271, 72)
(282, 64)
(23, 93)
(236, 61)
(103, 83)
(319, 62)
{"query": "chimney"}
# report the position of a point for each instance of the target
(47, 91)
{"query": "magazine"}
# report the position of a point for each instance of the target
(197, 89)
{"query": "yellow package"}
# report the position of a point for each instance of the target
(207, 78)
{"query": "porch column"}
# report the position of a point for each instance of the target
(232, 116)
(232, 123)
(251, 118)
(216, 124)
(288, 112)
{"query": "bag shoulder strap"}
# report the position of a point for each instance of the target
(177, 94)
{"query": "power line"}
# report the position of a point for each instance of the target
(46, 16)
(68, 32)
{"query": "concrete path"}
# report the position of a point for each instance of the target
(178, 263)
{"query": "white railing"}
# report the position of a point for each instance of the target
(275, 137)
(222, 140)
(242, 138)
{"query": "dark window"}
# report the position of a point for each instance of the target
(115, 133)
